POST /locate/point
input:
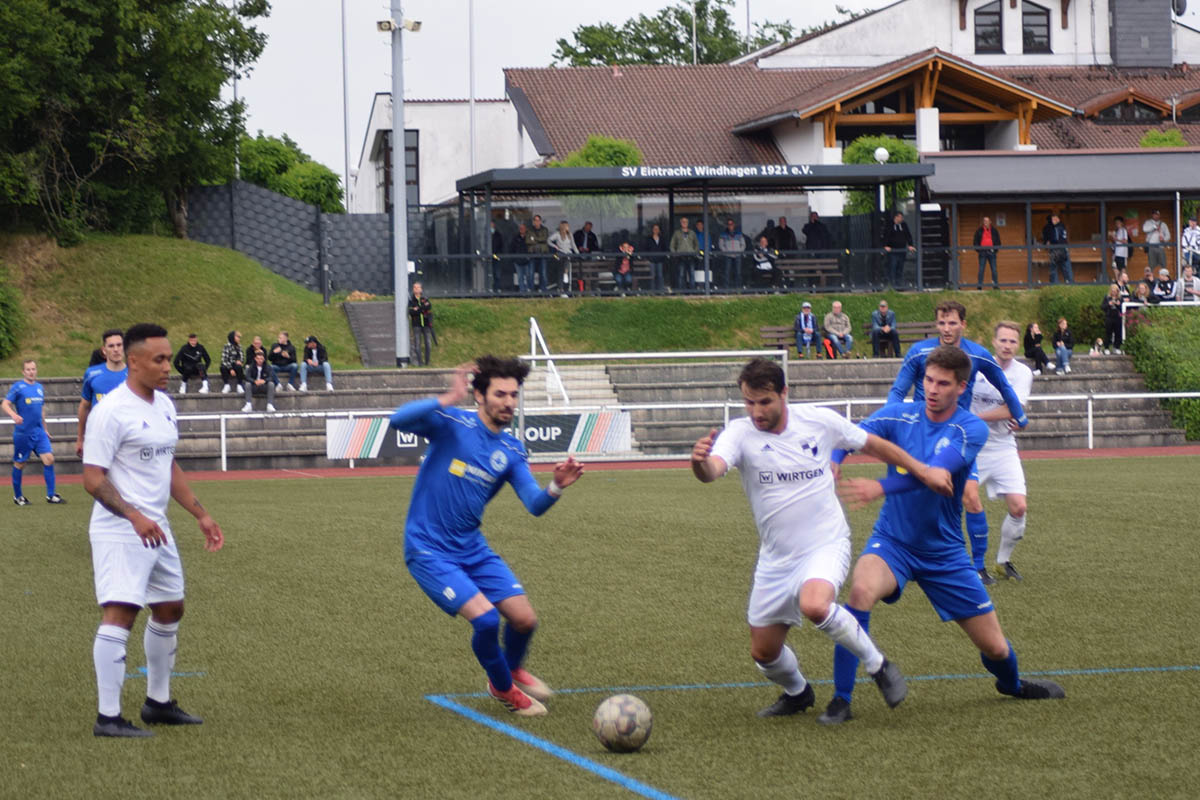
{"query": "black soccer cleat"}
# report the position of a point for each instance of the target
(1011, 572)
(168, 713)
(789, 704)
(986, 577)
(56, 500)
(21, 500)
(837, 712)
(1035, 689)
(891, 684)
(118, 727)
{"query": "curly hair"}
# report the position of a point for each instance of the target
(489, 366)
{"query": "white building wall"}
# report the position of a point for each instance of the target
(892, 32)
(1187, 45)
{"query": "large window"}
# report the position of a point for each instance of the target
(412, 172)
(988, 34)
(1035, 28)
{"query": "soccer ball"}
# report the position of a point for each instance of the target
(622, 723)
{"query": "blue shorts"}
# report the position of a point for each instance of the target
(25, 443)
(452, 582)
(949, 581)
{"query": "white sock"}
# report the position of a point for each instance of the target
(843, 628)
(785, 671)
(161, 642)
(108, 653)
(1012, 530)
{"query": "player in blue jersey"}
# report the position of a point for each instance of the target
(471, 456)
(918, 536)
(23, 404)
(101, 379)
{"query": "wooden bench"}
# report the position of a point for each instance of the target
(1041, 266)
(908, 333)
(588, 275)
(808, 269)
(783, 337)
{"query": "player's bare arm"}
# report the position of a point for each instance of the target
(936, 479)
(84, 408)
(567, 472)
(859, 493)
(460, 385)
(181, 492)
(97, 484)
(705, 466)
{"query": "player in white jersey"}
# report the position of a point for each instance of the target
(783, 453)
(129, 467)
(998, 466)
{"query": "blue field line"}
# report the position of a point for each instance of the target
(635, 786)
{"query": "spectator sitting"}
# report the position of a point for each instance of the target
(1188, 290)
(623, 268)
(260, 379)
(1064, 346)
(816, 235)
(315, 358)
(233, 363)
(256, 346)
(837, 328)
(685, 246)
(1164, 287)
(883, 329)
(192, 361)
(805, 326)
(785, 237)
(733, 247)
(1034, 351)
(562, 243)
(283, 360)
(764, 263)
(655, 243)
(585, 240)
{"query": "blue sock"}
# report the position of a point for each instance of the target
(1008, 680)
(486, 644)
(48, 473)
(977, 528)
(16, 475)
(845, 663)
(516, 644)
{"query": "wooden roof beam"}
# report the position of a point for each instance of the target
(1066, 4)
(975, 101)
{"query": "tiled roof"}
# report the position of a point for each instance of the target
(1075, 133)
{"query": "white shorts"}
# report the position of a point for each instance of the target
(1000, 470)
(128, 572)
(775, 596)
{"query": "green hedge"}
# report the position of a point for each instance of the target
(1079, 304)
(11, 315)
(1165, 346)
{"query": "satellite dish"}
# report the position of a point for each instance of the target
(1179, 7)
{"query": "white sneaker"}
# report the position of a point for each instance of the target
(329, 387)
(247, 407)
(183, 388)
(1117, 351)
(225, 389)
(304, 387)
(1037, 372)
(1052, 367)
(204, 387)
(240, 390)
(1067, 369)
(270, 408)
(1106, 352)
(287, 387)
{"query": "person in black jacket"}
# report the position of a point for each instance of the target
(420, 316)
(521, 260)
(315, 359)
(1064, 344)
(1033, 349)
(502, 271)
(785, 237)
(1111, 306)
(656, 243)
(585, 240)
(283, 360)
(816, 235)
(897, 244)
(987, 239)
(192, 361)
(233, 363)
(260, 379)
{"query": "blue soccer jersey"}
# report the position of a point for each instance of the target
(922, 520)
(465, 466)
(912, 376)
(27, 399)
(100, 380)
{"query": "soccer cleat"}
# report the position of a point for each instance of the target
(304, 387)
(21, 500)
(225, 389)
(270, 408)
(891, 684)
(1011, 572)
(247, 407)
(789, 704)
(837, 712)
(517, 701)
(531, 684)
(168, 713)
(1034, 689)
(986, 577)
(56, 500)
(118, 727)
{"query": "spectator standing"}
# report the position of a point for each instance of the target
(623, 268)
(1190, 241)
(521, 259)
(1111, 307)
(1164, 287)
(1119, 236)
(1157, 236)
(315, 360)
(838, 329)
(764, 264)
(1123, 285)
(260, 379)
(1188, 288)
(585, 241)
(883, 329)
(684, 247)
(256, 346)
(1034, 351)
(987, 239)
(816, 235)
(785, 237)
(805, 326)
(702, 241)
(192, 361)
(502, 273)
(1054, 234)
(1064, 346)
(897, 244)
(420, 316)
(733, 248)
(656, 243)
(283, 360)
(769, 232)
(537, 242)
(562, 244)
(233, 363)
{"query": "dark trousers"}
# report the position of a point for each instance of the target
(656, 274)
(1112, 334)
(1039, 359)
(987, 257)
(895, 265)
(879, 337)
(685, 272)
(233, 375)
(422, 336)
(1060, 260)
(733, 271)
(189, 371)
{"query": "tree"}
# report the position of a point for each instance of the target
(666, 38)
(280, 165)
(862, 151)
(600, 151)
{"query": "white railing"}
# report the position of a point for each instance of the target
(536, 340)
(1128, 304)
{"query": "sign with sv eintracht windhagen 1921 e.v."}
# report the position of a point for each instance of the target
(721, 171)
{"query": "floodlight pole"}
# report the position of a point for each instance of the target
(345, 113)
(399, 191)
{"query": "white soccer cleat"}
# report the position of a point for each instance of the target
(270, 408)
(247, 407)
(531, 684)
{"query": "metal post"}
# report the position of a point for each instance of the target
(1178, 233)
(920, 249)
(955, 264)
(707, 240)
(345, 116)
(1091, 441)
(224, 462)
(1104, 246)
(471, 70)
(399, 190)
(492, 268)
(1028, 244)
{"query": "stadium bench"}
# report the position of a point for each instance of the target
(817, 270)
(591, 275)
(909, 332)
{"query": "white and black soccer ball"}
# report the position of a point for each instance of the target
(622, 723)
